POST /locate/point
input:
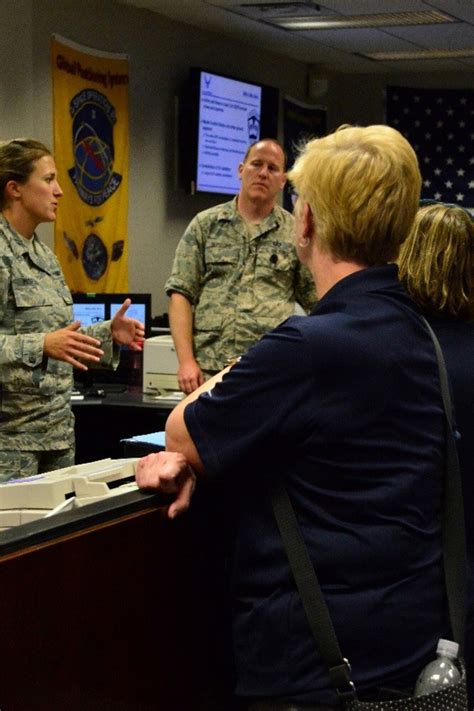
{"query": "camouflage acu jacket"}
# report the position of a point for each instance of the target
(35, 412)
(240, 285)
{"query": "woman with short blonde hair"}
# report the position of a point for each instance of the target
(363, 186)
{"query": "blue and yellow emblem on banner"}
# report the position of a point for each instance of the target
(90, 94)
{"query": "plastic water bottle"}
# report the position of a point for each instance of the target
(442, 671)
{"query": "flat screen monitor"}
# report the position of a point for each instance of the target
(219, 117)
(89, 314)
(90, 309)
(137, 309)
(93, 308)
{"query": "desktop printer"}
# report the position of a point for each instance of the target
(160, 365)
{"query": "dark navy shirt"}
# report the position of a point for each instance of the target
(344, 405)
(457, 341)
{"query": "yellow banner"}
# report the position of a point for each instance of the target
(90, 109)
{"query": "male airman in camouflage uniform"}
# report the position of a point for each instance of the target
(236, 274)
(35, 391)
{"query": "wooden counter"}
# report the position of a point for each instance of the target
(113, 607)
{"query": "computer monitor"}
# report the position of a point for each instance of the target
(137, 309)
(93, 308)
(89, 313)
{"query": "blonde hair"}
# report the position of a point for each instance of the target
(363, 187)
(437, 260)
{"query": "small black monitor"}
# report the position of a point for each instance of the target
(91, 308)
(89, 312)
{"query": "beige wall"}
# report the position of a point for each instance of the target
(161, 52)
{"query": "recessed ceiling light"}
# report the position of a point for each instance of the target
(420, 54)
(386, 19)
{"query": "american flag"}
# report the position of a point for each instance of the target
(439, 124)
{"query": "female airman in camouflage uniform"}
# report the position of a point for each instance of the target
(39, 344)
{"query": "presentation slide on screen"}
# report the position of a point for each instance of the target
(134, 311)
(88, 314)
(229, 120)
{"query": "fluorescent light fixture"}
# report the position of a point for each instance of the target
(420, 54)
(386, 19)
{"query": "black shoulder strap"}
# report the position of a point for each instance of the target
(453, 528)
(453, 553)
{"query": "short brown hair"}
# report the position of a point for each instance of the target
(437, 261)
(17, 159)
(363, 186)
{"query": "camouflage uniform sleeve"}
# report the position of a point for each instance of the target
(103, 333)
(188, 265)
(305, 291)
(25, 348)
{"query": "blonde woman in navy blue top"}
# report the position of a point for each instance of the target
(345, 406)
